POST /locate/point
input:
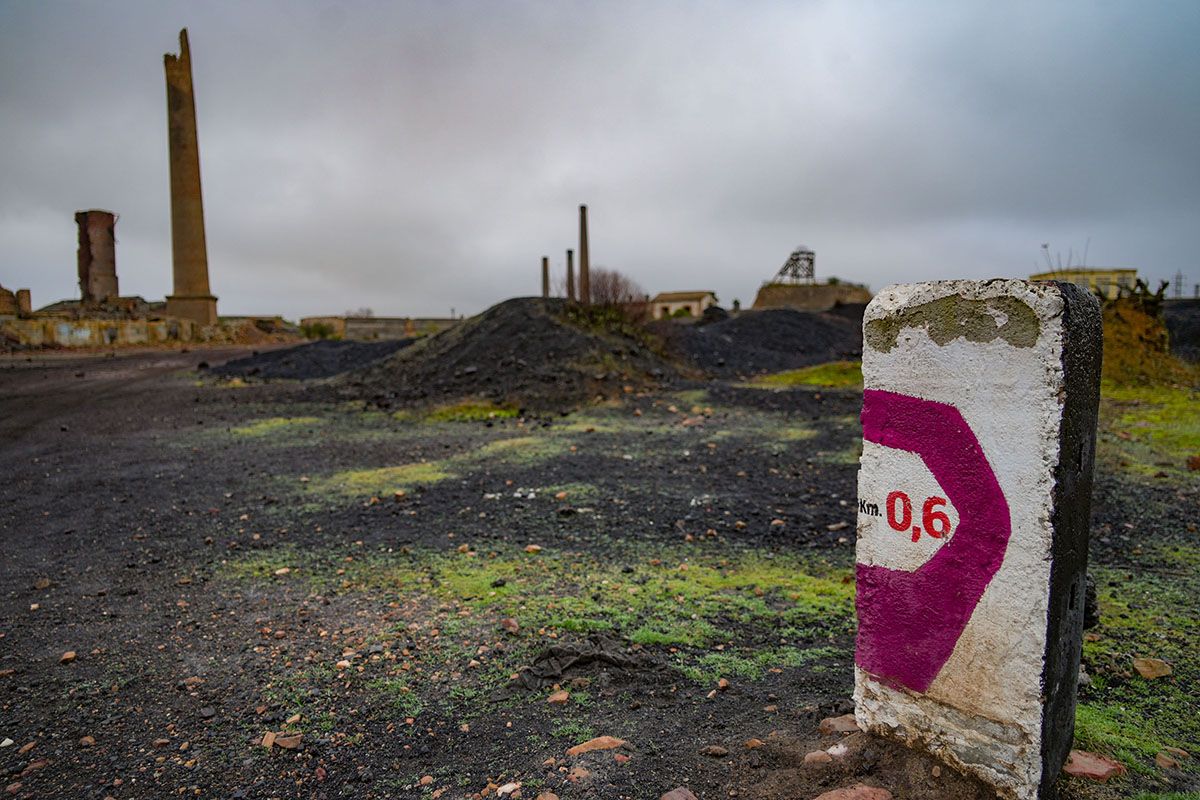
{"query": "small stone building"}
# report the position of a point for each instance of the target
(692, 304)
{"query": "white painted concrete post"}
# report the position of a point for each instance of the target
(979, 416)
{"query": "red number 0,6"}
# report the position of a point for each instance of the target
(901, 523)
(900, 516)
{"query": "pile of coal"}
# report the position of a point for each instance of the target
(755, 342)
(527, 352)
(1183, 327)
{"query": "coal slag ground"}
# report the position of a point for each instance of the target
(395, 597)
(320, 359)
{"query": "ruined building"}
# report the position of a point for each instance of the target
(97, 256)
(192, 298)
(14, 304)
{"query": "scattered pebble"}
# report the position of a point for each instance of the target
(67, 657)
(599, 743)
(681, 793)
(1151, 668)
(290, 741)
(1164, 761)
(843, 724)
(1082, 764)
(858, 791)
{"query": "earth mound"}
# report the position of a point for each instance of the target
(320, 359)
(534, 353)
(1137, 346)
(768, 341)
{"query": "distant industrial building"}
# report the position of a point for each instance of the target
(373, 328)
(795, 286)
(1105, 281)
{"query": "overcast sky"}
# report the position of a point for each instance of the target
(411, 157)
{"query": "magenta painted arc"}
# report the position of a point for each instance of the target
(909, 622)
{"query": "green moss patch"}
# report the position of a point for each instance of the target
(462, 411)
(1121, 714)
(835, 375)
(699, 615)
(381, 481)
(276, 425)
(1150, 429)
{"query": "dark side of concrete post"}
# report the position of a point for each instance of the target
(192, 299)
(545, 276)
(571, 275)
(585, 280)
(974, 501)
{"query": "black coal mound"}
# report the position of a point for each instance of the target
(529, 352)
(1183, 326)
(769, 341)
(321, 359)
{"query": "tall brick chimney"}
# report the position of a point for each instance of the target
(192, 298)
(585, 282)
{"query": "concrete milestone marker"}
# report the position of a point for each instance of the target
(979, 421)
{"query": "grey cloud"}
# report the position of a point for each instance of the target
(413, 157)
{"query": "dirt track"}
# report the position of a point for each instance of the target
(213, 553)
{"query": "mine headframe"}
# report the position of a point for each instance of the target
(798, 268)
